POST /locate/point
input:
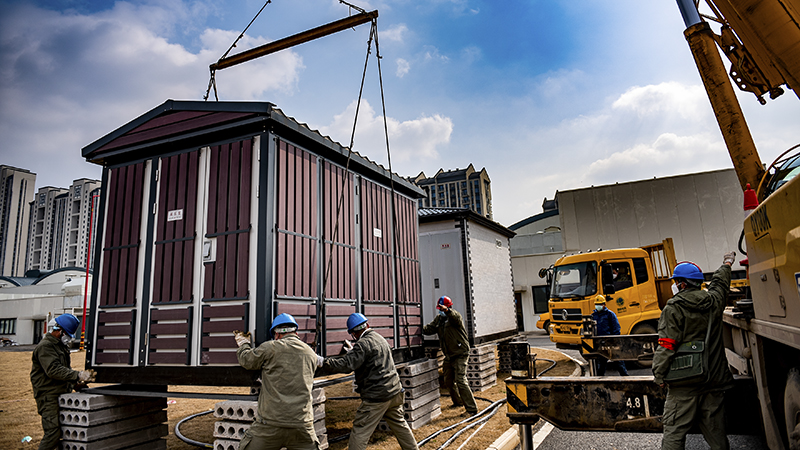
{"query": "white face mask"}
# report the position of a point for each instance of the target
(598, 307)
(675, 289)
(614, 276)
(65, 339)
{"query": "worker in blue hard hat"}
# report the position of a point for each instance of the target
(449, 326)
(690, 326)
(52, 375)
(285, 413)
(376, 378)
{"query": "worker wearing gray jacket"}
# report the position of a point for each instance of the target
(285, 411)
(449, 325)
(691, 315)
(378, 383)
(51, 375)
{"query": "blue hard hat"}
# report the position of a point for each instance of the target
(688, 270)
(68, 323)
(282, 320)
(355, 320)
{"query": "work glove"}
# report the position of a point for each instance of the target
(729, 258)
(320, 360)
(347, 346)
(241, 338)
(86, 376)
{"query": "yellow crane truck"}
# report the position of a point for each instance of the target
(634, 281)
(761, 38)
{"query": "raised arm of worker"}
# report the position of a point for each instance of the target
(349, 362)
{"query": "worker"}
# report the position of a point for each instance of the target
(606, 325)
(52, 375)
(453, 340)
(376, 381)
(690, 315)
(285, 415)
(622, 277)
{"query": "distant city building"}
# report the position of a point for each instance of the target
(460, 188)
(16, 193)
(60, 229)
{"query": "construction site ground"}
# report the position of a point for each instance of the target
(18, 408)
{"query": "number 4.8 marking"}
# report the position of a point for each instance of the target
(634, 403)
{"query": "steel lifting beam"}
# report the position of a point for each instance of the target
(297, 39)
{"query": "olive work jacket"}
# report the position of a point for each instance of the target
(287, 378)
(452, 334)
(371, 361)
(51, 373)
(685, 318)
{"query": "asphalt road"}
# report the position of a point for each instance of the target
(545, 437)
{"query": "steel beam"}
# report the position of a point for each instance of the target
(297, 39)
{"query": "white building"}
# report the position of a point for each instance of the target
(27, 304)
(701, 212)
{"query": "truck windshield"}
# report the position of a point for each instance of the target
(574, 280)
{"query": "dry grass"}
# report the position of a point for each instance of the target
(18, 409)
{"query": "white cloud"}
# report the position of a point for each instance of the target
(81, 76)
(403, 67)
(671, 97)
(413, 143)
(395, 33)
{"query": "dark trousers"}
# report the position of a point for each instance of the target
(47, 405)
(619, 365)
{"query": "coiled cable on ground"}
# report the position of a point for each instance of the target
(545, 370)
(187, 440)
(445, 429)
(483, 421)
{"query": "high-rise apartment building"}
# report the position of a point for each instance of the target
(61, 228)
(460, 188)
(48, 220)
(16, 193)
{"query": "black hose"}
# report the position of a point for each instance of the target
(427, 439)
(187, 440)
(741, 238)
(477, 422)
(545, 370)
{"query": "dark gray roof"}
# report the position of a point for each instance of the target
(427, 215)
(532, 219)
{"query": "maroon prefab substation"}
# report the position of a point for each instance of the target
(218, 216)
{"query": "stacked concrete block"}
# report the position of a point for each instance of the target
(237, 416)
(482, 367)
(504, 357)
(420, 379)
(92, 421)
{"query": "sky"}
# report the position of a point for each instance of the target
(547, 95)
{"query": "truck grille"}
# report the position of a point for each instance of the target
(567, 314)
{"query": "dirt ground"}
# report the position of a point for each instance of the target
(18, 409)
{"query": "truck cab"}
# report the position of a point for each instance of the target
(624, 276)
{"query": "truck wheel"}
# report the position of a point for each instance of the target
(644, 328)
(547, 327)
(791, 408)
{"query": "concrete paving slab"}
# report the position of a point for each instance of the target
(416, 367)
(119, 441)
(482, 349)
(422, 410)
(318, 396)
(93, 433)
(419, 379)
(482, 382)
(226, 444)
(87, 402)
(411, 404)
(482, 374)
(422, 389)
(71, 417)
(480, 367)
(424, 419)
(236, 410)
(479, 359)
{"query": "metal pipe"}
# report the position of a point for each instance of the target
(291, 41)
(689, 12)
(525, 437)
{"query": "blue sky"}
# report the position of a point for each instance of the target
(546, 95)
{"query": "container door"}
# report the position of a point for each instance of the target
(296, 264)
(119, 291)
(171, 311)
(226, 251)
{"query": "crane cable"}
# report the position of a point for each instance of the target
(212, 82)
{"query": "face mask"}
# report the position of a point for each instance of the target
(66, 340)
(614, 276)
(598, 307)
(441, 313)
(675, 289)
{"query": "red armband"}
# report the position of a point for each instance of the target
(668, 343)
